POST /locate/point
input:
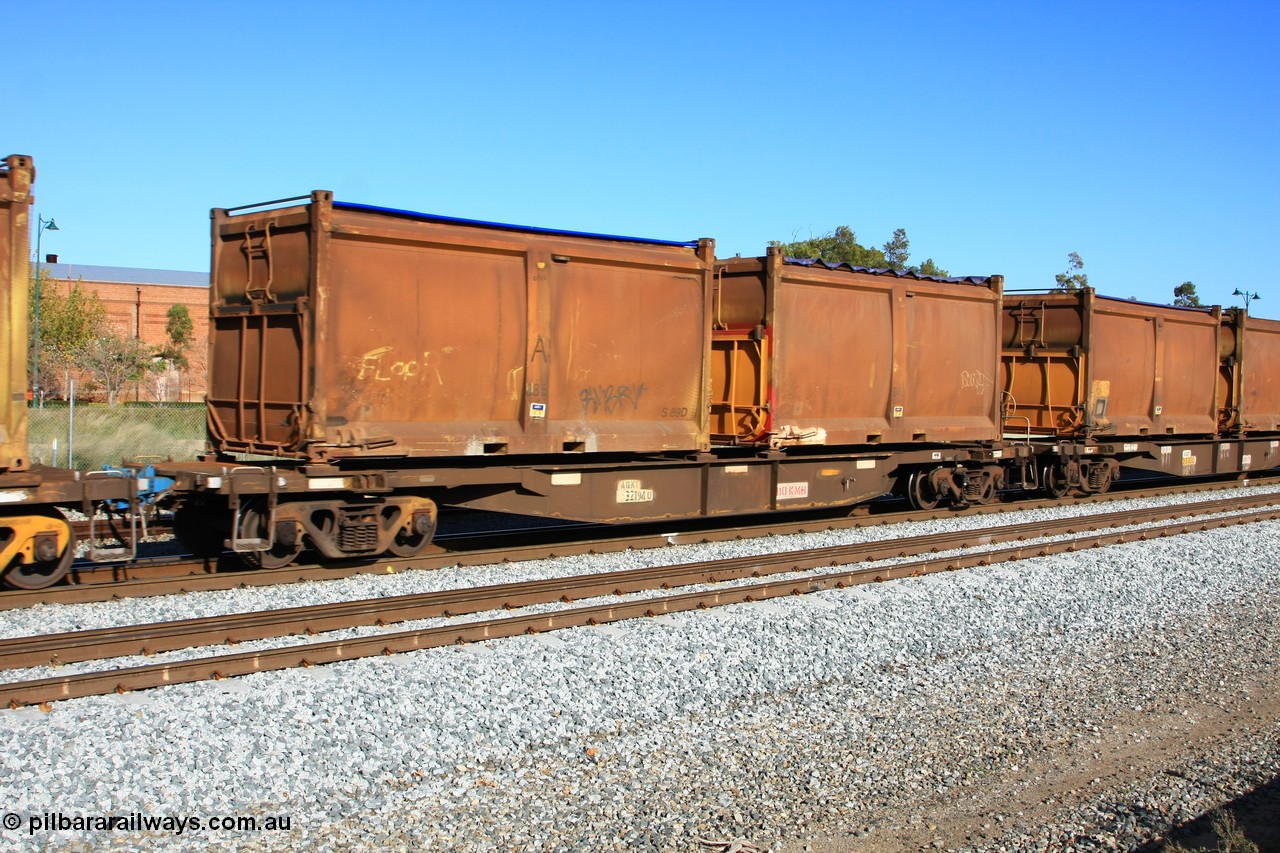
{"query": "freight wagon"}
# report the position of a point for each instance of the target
(37, 543)
(369, 365)
(1094, 383)
(894, 368)
(392, 361)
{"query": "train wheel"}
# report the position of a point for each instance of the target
(409, 546)
(253, 525)
(1054, 481)
(921, 492)
(413, 541)
(39, 574)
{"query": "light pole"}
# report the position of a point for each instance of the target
(35, 353)
(1248, 296)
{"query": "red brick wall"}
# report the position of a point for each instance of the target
(121, 301)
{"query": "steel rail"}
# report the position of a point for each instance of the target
(111, 582)
(134, 678)
(153, 638)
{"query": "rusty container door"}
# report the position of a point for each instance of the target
(1153, 369)
(1043, 363)
(425, 336)
(740, 354)
(626, 350)
(16, 177)
(261, 333)
(1075, 364)
(1260, 375)
(857, 358)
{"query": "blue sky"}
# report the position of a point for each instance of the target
(1001, 135)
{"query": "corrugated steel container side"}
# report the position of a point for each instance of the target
(1077, 364)
(343, 331)
(1249, 395)
(849, 357)
(16, 177)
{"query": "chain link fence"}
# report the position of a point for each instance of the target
(87, 436)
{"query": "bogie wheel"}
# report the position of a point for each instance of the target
(253, 525)
(39, 574)
(413, 542)
(1054, 481)
(921, 492)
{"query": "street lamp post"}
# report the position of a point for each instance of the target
(35, 353)
(1248, 296)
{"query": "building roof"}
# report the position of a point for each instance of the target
(127, 275)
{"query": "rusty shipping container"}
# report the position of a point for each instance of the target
(1076, 364)
(809, 354)
(1249, 384)
(342, 330)
(16, 177)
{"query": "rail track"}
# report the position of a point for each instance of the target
(819, 569)
(169, 575)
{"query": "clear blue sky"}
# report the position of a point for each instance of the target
(1000, 135)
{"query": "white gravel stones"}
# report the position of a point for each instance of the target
(752, 721)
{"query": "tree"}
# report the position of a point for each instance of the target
(115, 360)
(897, 250)
(179, 329)
(1072, 279)
(839, 247)
(930, 268)
(842, 247)
(1184, 295)
(67, 324)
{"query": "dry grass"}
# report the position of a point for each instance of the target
(105, 436)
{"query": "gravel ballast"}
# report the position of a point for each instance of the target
(854, 714)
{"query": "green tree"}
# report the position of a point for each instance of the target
(68, 322)
(841, 246)
(1072, 279)
(1185, 296)
(897, 250)
(179, 330)
(114, 360)
(930, 268)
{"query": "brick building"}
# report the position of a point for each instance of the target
(137, 302)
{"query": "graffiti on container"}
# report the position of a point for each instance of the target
(375, 368)
(975, 379)
(610, 399)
